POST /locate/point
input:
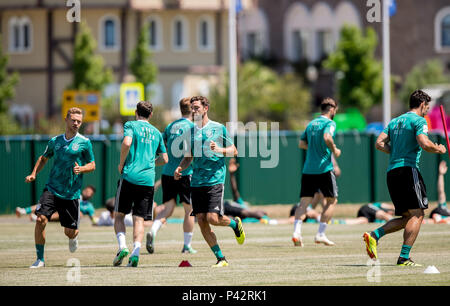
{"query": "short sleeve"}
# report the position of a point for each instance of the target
(49, 150)
(304, 136)
(226, 139)
(330, 128)
(386, 130)
(128, 129)
(161, 146)
(88, 153)
(421, 127)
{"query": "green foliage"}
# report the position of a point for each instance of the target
(88, 68)
(141, 64)
(9, 126)
(359, 74)
(263, 96)
(427, 73)
(7, 82)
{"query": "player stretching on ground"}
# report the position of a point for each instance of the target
(441, 213)
(404, 138)
(175, 137)
(138, 157)
(73, 157)
(318, 171)
(209, 145)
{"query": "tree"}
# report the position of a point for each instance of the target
(264, 96)
(141, 64)
(359, 74)
(7, 82)
(427, 73)
(88, 68)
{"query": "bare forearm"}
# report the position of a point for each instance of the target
(185, 162)
(440, 189)
(89, 167)
(234, 187)
(124, 150)
(383, 147)
(39, 165)
(331, 145)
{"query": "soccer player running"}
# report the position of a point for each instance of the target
(141, 144)
(404, 138)
(210, 144)
(177, 138)
(73, 157)
(318, 173)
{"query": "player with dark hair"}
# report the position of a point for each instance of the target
(210, 144)
(318, 171)
(142, 149)
(404, 139)
(73, 157)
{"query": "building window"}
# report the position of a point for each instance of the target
(155, 33)
(180, 34)
(205, 34)
(446, 31)
(20, 32)
(254, 44)
(324, 43)
(299, 45)
(109, 34)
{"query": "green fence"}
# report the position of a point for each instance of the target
(363, 177)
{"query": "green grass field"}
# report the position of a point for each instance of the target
(267, 257)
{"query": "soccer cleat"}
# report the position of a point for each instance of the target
(120, 256)
(222, 262)
(239, 231)
(20, 211)
(323, 239)
(38, 264)
(371, 245)
(150, 242)
(73, 245)
(298, 241)
(407, 262)
(188, 249)
(133, 261)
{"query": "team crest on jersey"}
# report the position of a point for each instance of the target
(75, 146)
(209, 133)
(57, 146)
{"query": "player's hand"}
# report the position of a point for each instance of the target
(214, 147)
(442, 148)
(442, 167)
(77, 169)
(30, 178)
(120, 168)
(177, 173)
(337, 152)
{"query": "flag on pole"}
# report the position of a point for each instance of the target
(392, 8)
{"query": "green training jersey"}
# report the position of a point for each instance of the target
(139, 168)
(402, 132)
(62, 182)
(208, 167)
(177, 138)
(318, 155)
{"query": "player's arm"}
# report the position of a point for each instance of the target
(124, 150)
(185, 162)
(232, 168)
(89, 167)
(426, 144)
(40, 163)
(227, 151)
(162, 159)
(328, 138)
(382, 143)
(440, 183)
(302, 144)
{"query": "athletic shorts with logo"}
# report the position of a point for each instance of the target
(207, 199)
(367, 212)
(172, 189)
(68, 210)
(407, 189)
(325, 183)
(135, 198)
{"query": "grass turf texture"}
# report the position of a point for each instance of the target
(267, 257)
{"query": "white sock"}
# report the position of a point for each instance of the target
(156, 226)
(136, 249)
(298, 227)
(188, 238)
(322, 228)
(121, 239)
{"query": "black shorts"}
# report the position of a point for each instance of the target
(207, 199)
(407, 189)
(136, 198)
(367, 212)
(440, 211)
(233, 209)
(173, 188)
(68, 210)
(325, 183)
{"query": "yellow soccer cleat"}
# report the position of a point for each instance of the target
(222, 262)
(371, 245)
(239, 231)
(407, 263)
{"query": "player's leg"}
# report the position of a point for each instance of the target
(211, 239)
(69, 218)
(325, 217)
(39, 240)
(382, 215)
(300, 215)
(20, 211)
(138, 235)
(412, 229)
(122, 207)
(188, 229)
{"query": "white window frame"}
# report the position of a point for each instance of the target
(210, 47)
(159, 33)
(101, 31)
(20, 22)
(185, 37)
(444, 12)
